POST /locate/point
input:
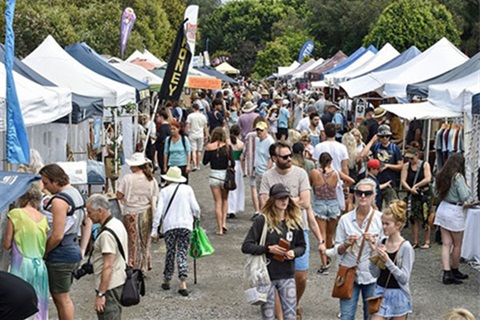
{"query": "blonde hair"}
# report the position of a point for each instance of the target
(350, 142)
(293, 217)
(33, 196)
(458, 314)
(397, 209)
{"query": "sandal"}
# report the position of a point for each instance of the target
(166, 286)
(426, 246)
(415, 246)
(218, 233)
(183, 292)
(225, 230)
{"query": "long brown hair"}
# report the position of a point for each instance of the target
(455, 164)
(293, 217)
(147, 171)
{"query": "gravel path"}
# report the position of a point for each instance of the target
(219, 291)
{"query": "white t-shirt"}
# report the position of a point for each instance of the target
(305, 123)
(197, 123)
(337, 150)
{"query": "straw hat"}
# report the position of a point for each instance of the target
(137, 159)
(174, 174)
(379, 112)
(248, 107)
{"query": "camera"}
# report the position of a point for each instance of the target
(86, 268)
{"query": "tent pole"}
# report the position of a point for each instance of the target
(135, 128)
(115, 136)
(150, 128)
(429, 129)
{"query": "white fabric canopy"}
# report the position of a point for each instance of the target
(420, 111)
(39, 104)
(146, 55)
(387, 53)
(284, 70)
(301, 74)
(136, 71)
(331, 78)
(439, 58)
(55, 64)
(319, 84)
(152, 58)
(225, 67)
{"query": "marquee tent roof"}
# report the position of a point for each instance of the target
(436, 60)
(284, 70)
(331, 78)
(386, 54)
(39, 104)
(303, 73)
(53, 63)
(315, 73)
(93, 61)
(445, 100)
(407, 55)
(351, 59)
(211, 71)
(146, 55)
(226, 68)
(82, 107)
(137, 72)
(470, 66)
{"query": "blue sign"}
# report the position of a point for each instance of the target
(13, 185)
(306, 51)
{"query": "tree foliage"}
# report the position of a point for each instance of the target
(206, 7)
(274, 55)
(413, 22)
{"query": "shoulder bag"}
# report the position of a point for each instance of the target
(160, 226)
(134, 286)
(374, 303)
(345, 278)
(230, 183)
(256, 277)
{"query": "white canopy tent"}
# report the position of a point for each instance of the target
(146, 55)
(439, 58)
(330, 78)
(55, 64)
(284, 70)
(136, 71)
(301, 73)
(152, 58)
(39, 104)
(226, 68)
(387, 53)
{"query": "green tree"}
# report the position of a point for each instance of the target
(342, 24)
(206, 7)
(413, 22)
(274, 55)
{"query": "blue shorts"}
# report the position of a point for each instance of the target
(301, 263)
(326, 209)
(395, 302)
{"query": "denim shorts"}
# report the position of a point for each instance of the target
(301, 263)
(217, 178)
(326, 209)
(395, 302)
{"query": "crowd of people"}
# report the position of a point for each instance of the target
(310, 167)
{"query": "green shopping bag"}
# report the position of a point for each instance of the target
(200, 246)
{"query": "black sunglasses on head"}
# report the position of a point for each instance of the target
(285, 157)
(362, 193)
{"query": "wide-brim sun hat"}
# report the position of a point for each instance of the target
(137, 159)
(174, 174)
(379, 112)
(248, 106)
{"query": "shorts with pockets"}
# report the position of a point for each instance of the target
(60, 276)
(196, 144)
(326, 209)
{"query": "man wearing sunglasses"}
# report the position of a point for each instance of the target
(296, 179)
(391, 161)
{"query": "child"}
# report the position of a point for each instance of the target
(392, 266)
(272, 118)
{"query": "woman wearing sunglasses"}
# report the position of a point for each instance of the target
(351, 233)
(285, 241)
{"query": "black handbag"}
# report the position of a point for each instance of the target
(134, 286)
(229, 183)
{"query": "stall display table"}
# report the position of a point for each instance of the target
(471, 236)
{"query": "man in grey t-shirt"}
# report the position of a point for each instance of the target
(296, 179)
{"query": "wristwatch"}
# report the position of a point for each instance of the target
(100, 294)
(321, 242)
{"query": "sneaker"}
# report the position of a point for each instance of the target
(231, 216)
(329, 262)
(323, 271)
(194, 169)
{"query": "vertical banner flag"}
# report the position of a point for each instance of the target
(306, 51)
(191, 15)
(126, 25)
(18, 150)
(177, 68)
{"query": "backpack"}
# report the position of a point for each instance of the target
(377, 145)
(169, 140)
(65, 197)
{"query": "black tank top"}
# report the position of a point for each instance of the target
(411, 174)
(382, 279)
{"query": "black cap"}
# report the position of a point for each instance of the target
(279, 190)
(298, 148)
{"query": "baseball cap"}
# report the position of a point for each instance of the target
(261, 125)
(384, 130)
(285, 102)
(279, 190)
(373, 164)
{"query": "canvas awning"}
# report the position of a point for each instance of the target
(226, 68)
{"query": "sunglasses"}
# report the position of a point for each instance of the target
(381, 137)
(285, 157)
(259, 130)
(362, 193)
